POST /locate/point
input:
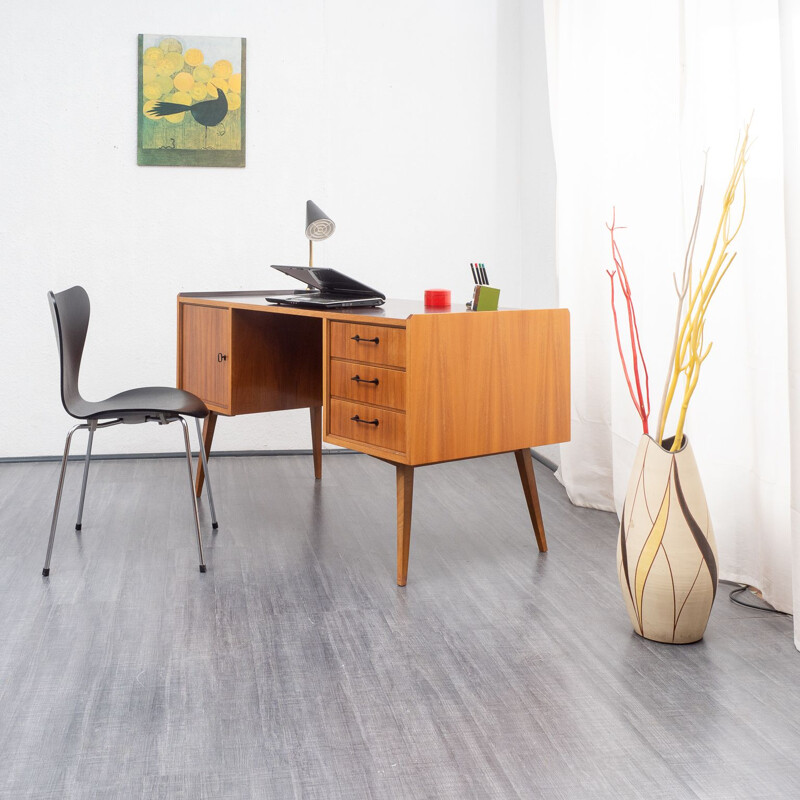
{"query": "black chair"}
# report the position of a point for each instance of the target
(161, 404)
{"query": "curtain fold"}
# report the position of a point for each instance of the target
(638, 94)
(790, 38)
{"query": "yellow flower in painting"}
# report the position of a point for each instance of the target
(183, 82)
(234, 101)
(152, 56)
(170, 64)
(152, 91)
(223, 69)
(164, 67)
(203, 73)
(170, 45)
(235, 83)
(193, 57)
(148, 73)
(217, 83)
(165, 83)
(199, 91)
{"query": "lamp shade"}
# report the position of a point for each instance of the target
(318, 225)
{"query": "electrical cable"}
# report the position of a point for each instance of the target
(743, 587)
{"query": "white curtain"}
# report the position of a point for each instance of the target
(638, 92)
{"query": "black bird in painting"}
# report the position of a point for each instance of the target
(208, 113)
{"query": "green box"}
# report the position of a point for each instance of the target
(486, 299)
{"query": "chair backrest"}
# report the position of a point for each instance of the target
(70, 310)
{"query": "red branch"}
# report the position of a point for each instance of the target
(640, 401)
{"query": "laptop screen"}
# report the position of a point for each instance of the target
(329, 281)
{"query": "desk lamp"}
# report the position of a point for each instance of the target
(318, 227)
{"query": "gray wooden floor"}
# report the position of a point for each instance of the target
(295, 668)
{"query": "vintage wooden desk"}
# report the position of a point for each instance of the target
(400, 383)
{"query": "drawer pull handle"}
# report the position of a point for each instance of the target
(357, 338)
(356, 418)
(359, 379)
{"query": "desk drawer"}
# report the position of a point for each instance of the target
(372, 344)
(364, 383)
(390, 432)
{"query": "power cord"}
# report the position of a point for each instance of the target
(743, 587)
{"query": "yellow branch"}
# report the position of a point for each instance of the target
(688, 352)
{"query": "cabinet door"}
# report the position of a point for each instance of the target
(204, 355)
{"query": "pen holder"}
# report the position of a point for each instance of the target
(485, 298)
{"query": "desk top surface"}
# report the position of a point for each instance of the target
(399, 310)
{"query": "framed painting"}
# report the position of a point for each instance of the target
(191, 101)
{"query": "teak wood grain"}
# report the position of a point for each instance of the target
(203, 347)
(209, 424)
(486, 382)
(389, 433)
(405, 495)
(354, 380)
(526, 474)
(276, 362)
(316, 439)
(389, 349)
(470, 384)
(242, 362)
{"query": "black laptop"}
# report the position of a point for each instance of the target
(328, 288)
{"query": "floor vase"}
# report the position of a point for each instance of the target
(666, 554)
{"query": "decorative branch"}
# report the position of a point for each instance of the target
(640, 400)
(686, 282)
(689, 352)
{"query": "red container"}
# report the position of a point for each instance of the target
(437, 298)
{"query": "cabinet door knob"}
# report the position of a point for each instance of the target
(221, 357)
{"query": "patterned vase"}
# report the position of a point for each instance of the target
(666, 554)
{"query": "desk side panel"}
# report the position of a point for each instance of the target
(487, 382)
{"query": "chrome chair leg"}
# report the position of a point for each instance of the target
(191, 489)
(46, 570)
(204, 460)
(85, 474)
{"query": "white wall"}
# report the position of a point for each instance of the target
(421, 128)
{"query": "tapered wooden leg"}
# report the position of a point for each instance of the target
(209, 424)
(316, 439)
(525, 466)
(405, 492)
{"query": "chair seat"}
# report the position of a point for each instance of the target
(145, 401)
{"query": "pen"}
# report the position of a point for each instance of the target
(474, 273)
(485, 279)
